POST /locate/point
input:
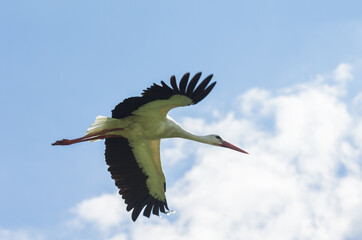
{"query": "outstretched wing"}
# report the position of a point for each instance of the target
(136, 166)
(159, 99)
(137, 172)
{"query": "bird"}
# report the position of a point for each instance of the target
(132, 140)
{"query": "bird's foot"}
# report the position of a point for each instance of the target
(63, 142)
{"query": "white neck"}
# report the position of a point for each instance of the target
(175, 130)
(187, 135)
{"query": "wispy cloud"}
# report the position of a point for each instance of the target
(343, 73)
(302, 179)
(18, 235)
(103, 212)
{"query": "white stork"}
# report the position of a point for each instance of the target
(132, 137)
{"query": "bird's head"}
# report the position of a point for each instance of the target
(218, 141)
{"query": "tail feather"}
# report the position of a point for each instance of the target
(104, 126)
(98, 125)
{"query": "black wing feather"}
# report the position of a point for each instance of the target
(136, 212)
(201, 86)
(138, 208)
(183, 83)
(162, 208)
(157, 92)
(156, 209)
(148, 209)
(128, 177)
(165, 85)
(174, 84)
(193, 83)
(205, 92)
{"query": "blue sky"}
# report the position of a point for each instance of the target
(62, 63)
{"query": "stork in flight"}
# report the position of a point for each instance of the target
(132, 138)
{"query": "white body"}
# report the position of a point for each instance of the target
(150, 122)
(139, 128)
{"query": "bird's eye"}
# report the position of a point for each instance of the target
(218, 137)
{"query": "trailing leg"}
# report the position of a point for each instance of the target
(89, 137)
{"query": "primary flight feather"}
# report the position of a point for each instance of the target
(132, 138)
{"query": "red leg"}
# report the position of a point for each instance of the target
(95, 136)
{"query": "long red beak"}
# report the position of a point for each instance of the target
(229, 145)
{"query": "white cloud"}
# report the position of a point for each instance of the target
(105, 212)
(255, 100)
(302, 179)
(18, 235)
(120, 236)
(174, 153)
(343, 73)
(357, 101)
